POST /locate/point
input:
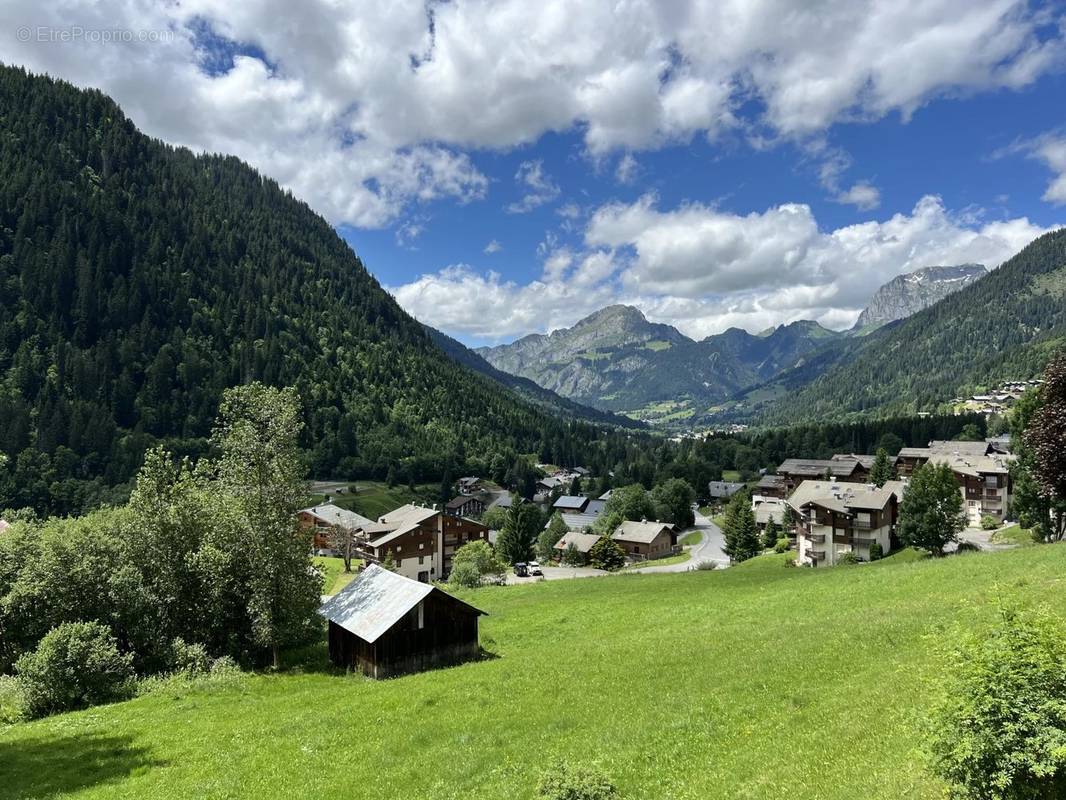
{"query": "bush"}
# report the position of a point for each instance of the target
(465, 574)
(189, 659)
(606, 554)
(11, 702)
(999, 730)
(876, 551)
(76, 664)
(564, 782)
(782, 545)
(847, 559)
(989, 523)
(706, 566)
(475, 563)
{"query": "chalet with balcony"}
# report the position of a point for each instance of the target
(835, 517)
(465, 506)
(910, 458)
(984, 481)
(421, 541)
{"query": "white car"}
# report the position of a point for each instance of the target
(534, 569)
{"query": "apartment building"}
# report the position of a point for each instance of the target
(836, 517)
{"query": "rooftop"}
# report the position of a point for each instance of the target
(582, 541)
(375, 601)
(845, 497)
(643, 532)
(335, 515)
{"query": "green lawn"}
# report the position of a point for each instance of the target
(335, 578)
(757, 682)
(691, 538)
(1015, 534)
(375, 498)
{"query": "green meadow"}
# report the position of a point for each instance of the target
(759, 681)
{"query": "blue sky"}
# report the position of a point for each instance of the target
(716, 163)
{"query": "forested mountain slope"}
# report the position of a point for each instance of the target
(1003, 326)
(525, 388)
(138, 280)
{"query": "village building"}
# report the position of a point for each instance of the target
(469, 485)
(910, 458)
(768, 508)
(577, 520)
(323, 520)
(569, 504)
(835, 517)
(465, 506)
(421, 541)
(385, 624)
(582, 542)
(847, 468)
(771, 486)
(721, 491)
(502, 500)
(646, 540)
(984, 481)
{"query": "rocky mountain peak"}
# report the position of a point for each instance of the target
(909, 293)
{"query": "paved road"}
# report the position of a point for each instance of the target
(711, 547)
(981, 538)
(558, 574)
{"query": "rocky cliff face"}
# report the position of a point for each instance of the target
(908, 294)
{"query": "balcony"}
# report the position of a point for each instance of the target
(815, 538)
(816, 555)
(862, 524)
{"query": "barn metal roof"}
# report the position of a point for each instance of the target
(375, 601)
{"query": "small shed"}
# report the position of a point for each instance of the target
(384, 624)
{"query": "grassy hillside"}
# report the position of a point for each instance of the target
(756, 682)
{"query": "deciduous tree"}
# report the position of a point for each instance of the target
(930, 515)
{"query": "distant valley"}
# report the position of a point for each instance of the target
(616, 360)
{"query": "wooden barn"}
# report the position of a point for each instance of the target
(384, 624)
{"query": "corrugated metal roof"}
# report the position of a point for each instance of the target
(570, 501)
(582, 541)
(374, 602)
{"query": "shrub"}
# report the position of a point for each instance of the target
(465, 574)
(475, 563)
(989, 523)
(876, 551)
(76, 664)
(190, 659)
(564, 782)
(999, 730)
(572, 557)
(967, 547)
(847, 559)
(11, 702)
(706, 565)
(782, 545)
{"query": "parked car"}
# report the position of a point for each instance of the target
(534, 568)
(521, 570)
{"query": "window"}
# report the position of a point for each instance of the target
(421, 545)
(421, 560)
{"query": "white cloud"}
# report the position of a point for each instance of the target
(493, 247)
(1051, 150)
(365, 109)
(627, 170)
(537, 184)
(704, 270)
(863, 195)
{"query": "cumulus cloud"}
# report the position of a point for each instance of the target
(493, 247)
(537, 184)
(365, 109)
(705, 270)
(1050, 149)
